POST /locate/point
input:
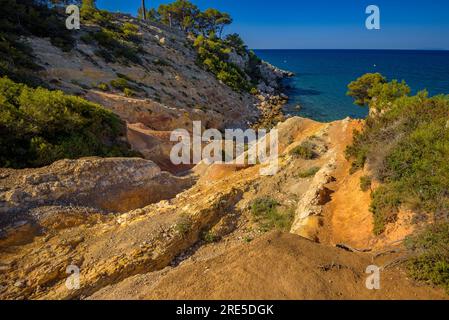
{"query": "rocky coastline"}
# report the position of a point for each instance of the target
(271, 96)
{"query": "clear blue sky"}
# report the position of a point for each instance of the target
(326, 24)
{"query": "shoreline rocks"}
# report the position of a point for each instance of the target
(271, 97)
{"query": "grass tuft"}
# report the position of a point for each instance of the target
(269, 216)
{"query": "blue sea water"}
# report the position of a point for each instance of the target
(322, 76)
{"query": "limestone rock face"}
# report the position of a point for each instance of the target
(311, 204)
(238, 60)
(171, 89)
(113, 184)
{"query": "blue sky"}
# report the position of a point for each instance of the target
(326, 24)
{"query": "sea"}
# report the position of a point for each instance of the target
(322, 76)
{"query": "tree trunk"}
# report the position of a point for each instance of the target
(144, 10)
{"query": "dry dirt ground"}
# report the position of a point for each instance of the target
(275, 266)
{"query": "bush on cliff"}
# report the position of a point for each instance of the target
(213, 54)
(304, 151)
(430, 261)
(269, 216)
(407, 146)
(117, 42)
(186, 16)
(38, 126)
(373, 90)
(406, 143)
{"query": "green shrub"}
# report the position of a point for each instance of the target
(267, 214)
(253, 68)
(357, 152)
(87, 38)
(359, 89)
(210, 237)
(121, 84)
(213, 55)
(38, 127)
(385, 204)
(262, 205)
(115, 47)
(103, 86)
(365, 183)
(248, 239)
(118, 42)
(309, 172)
(129, 92)
(254, 91)
(407, 146)
(130, 32)
(305, 150)
(236, 42)
(16, 61)
(386, 93)
(183, 225)
(430, 262)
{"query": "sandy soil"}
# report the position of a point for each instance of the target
(303, 270)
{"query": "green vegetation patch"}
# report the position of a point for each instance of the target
(311, 172)
(118, 42)
(213, 55)
(38, 127)
(184, 225)
(365, 183)
(125, 85)
(269, 216)
(210, 237)
(304, 151)
(407, 147)
(103, 86)
(430, 262)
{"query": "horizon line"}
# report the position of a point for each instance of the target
(323, 49)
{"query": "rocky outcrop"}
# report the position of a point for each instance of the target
(310, 206)
(240, 61)
(107, 185)
(106, 252)
(272, 77)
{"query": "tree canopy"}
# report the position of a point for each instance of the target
(188, 17)
(373, 90)
(359, 89)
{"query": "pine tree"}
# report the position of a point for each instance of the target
(89, 4)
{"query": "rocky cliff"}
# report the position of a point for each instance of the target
(170, 89)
